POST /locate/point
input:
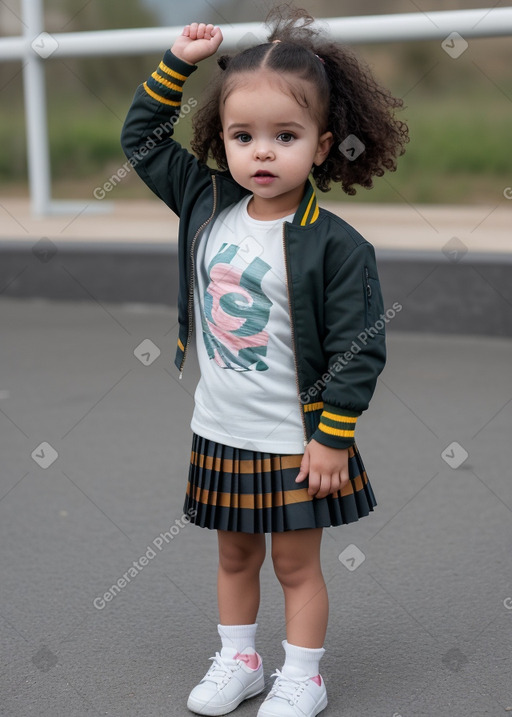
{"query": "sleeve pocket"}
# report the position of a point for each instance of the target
(374, 307)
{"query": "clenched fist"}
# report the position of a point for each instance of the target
(197, 42)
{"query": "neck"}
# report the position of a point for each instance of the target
(275, 208)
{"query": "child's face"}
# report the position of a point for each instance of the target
(271, 143)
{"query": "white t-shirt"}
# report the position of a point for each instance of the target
(247, 394)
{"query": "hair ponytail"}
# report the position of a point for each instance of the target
(368, 138)
(223, 61)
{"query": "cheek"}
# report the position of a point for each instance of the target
(235, 162)
(235, 152)
(229, 153)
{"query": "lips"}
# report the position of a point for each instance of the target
(263, 177)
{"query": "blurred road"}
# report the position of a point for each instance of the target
(95, 441)
(401, 226)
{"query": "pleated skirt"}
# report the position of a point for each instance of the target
(255, 492)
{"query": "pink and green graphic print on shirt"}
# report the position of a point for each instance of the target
(236, 312)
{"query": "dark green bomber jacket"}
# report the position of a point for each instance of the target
(335, 301)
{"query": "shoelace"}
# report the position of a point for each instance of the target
(221, 671)
(288, 688)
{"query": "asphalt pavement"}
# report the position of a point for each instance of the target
(108, 594)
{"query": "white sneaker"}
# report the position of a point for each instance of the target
(232, 678)
(294, 696)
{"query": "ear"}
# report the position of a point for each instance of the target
(221, 135)
(325, 142)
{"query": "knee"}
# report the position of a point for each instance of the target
(235, 558)
(290, 569)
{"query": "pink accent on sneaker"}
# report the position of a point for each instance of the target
(253, 661)
(318, 680)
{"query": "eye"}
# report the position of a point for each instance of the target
(243, 137)
(286, 137)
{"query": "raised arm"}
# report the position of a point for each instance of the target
(169, 170)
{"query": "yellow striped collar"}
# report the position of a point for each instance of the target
(308, 210)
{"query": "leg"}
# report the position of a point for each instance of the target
(232, 677)
(296, 558)
(241, 556)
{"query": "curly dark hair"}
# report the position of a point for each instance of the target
(334, 84)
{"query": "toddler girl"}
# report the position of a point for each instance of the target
(286, 304)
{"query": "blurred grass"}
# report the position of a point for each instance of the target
(459, 150)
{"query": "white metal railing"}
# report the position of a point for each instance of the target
(35, 46)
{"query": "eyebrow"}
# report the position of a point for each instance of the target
(242, 125)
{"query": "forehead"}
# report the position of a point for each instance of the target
(268, 93)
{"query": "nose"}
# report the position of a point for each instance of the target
(263, 151)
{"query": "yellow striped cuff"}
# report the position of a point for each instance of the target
(159, 98)
(336, 417)
(172, 73)
(336, 431)
(336, 424)
(162, 81)
(313, 406)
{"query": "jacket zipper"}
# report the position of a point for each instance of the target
(192, 272)
(293, 340)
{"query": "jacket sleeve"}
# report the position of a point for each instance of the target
(354, 343)
(169, 170)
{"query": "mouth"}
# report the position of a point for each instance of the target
(262, 176)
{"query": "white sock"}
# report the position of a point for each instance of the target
(305, 660)
(238, 636)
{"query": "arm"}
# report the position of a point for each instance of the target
(355, 344)
(169, 170)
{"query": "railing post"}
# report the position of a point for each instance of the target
(35, 110)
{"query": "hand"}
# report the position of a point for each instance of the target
(197, 42)
(327, 468)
